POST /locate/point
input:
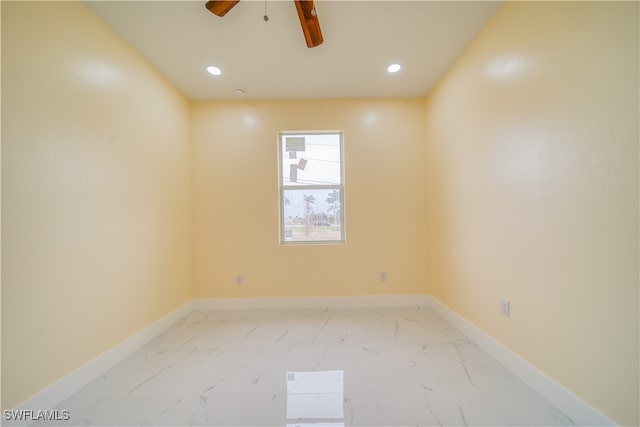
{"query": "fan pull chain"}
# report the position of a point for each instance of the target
(266, 17)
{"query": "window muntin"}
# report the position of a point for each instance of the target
(311, 187)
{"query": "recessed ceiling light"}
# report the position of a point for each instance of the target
(394, 68)
(213, 70)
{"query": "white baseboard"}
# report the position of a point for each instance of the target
(311, 302)
(53, 395)
(580, 412)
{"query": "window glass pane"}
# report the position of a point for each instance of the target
(311, 159)
(311, 215)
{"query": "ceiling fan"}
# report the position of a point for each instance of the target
(306, 12)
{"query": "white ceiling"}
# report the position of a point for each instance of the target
(270, 60)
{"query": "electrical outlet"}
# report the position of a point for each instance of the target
(383, 276)
(505, 307)
(239, 280)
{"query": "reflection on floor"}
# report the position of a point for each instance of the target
(315, 395)
(331, 367)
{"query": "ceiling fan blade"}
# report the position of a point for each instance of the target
(309, 22)
(221, 7)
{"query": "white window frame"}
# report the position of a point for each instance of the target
(282, 188)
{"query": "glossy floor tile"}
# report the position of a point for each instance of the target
(331, 367)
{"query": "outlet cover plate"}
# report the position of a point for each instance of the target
(505, 307)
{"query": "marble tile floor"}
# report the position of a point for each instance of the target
(310, 367)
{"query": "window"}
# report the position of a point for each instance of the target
(311, 187)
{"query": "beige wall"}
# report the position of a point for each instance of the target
(96, 194)
(532, 151)
(236, 199)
